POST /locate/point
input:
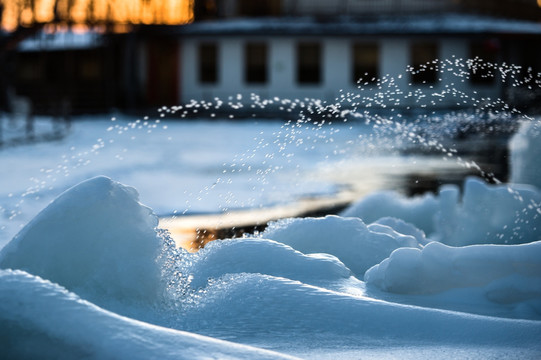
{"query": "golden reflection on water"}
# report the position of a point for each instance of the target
(169, 12)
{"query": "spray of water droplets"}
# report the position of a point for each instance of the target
(435, 118)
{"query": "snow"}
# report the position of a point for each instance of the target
(178, 167)
(251, 290)
(262, 256)
(457, 273)
(525, 153)
(88, 229)
(357, 245)
(72, 328)
(438, 267)
(62, 40)
(482, 214)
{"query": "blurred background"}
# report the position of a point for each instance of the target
(448, 78)
(65, 57)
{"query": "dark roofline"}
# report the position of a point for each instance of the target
(436, 24)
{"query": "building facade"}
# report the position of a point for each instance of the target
(305, 58)
(287, 49)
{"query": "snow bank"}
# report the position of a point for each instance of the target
(43, 320)
(418, 210)
(357, 245)
(256, 304)
(525, 149)
(95, 239)
(263, 257)
(484, 214)
(508, 274)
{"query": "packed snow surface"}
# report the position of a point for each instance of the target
(43, 320)
(92, 277)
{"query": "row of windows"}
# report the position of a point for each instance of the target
(365, 63)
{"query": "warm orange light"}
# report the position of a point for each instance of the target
(539, 3)
(121, 12)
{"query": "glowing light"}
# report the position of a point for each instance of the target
(116, 12)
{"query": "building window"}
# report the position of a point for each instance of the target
(89, 68)
(30, 69)
(365, 63)
(424, 62)
(483, 57)
(258, 8)
(309, 63)
(208, 63)
(255, 63)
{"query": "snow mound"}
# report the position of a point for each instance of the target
(525, 151)
(43, 320)
(418, 210)
(263, 257)
(95, 239)
(485, 214)
(508, 273)
(357, 245)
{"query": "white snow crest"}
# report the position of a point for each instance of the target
(508, 273)
(262, 256)
(95, 239)
(484, 214)
(357, 245)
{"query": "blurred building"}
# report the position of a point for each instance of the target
(320, 49)
(280, 48)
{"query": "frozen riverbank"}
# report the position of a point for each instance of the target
(202, 167)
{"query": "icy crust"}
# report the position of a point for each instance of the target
(484, 214)
(357, 245)
(42, 320)
(95, 239)
(525, 151)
